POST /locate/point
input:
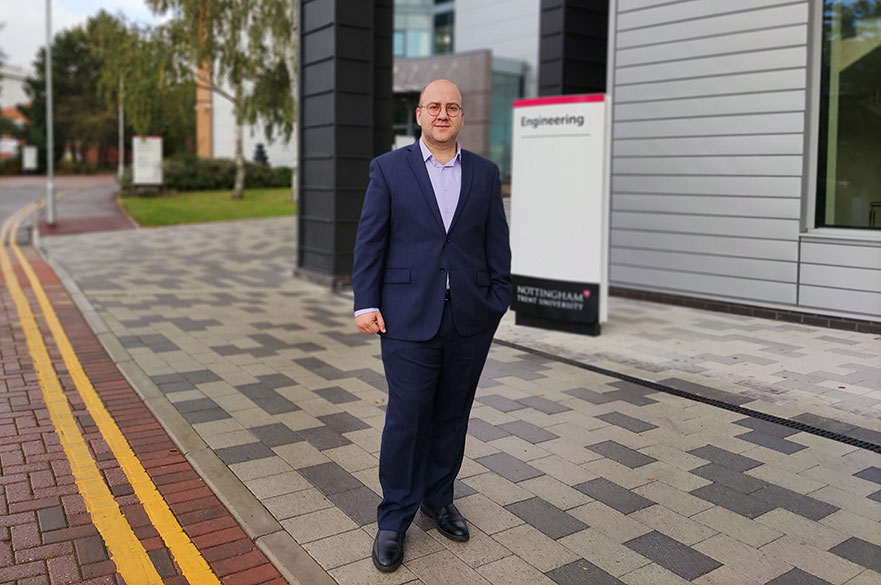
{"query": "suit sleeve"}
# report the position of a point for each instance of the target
(371, 243)
(498, 248)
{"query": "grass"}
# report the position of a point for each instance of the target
(202, 206)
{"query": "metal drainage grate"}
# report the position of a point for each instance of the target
(799, 426)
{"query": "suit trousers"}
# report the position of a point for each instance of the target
(431, 388)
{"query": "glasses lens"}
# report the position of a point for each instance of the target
(453, 110)
(434, 109)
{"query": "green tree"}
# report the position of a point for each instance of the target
(233, 38)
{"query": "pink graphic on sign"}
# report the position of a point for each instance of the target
(586, 294)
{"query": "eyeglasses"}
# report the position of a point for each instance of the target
(434, 109)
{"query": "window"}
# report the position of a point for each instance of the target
(443, 33)
(849, 186)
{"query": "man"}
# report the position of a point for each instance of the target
(432, 275)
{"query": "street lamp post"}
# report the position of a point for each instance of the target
(50, 138)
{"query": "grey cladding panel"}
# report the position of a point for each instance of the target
(691, 9)
(778, 208)
(317, 14)
(744, 186)
(788, 79)
(710, 165)
(717, 245)
(859, 279)
(719, 44)
(695, 262)
(815, 297)
(707, 284)
(318, 45)
(788, 58)
(719, 25)
(718, 127)
(318, 77)
(792, 144)
(855, 255)
(744, 227)
(781, 101)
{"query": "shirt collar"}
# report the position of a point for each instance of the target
(426, 154)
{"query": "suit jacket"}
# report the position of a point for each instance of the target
(403, 255)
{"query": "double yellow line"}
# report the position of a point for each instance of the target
(125, 549)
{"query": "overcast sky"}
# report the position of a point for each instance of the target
(25, 20)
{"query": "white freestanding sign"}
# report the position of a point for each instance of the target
(147, 160)
(29, 158)
(560, 212)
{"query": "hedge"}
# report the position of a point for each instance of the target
(188, 173)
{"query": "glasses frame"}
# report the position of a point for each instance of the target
(445, 108)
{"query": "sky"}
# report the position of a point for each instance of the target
(25, 20)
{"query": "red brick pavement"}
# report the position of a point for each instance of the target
(46, 535)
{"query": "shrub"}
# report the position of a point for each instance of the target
(10, 166)
(188, 173)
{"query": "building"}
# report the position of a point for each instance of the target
(746, 144)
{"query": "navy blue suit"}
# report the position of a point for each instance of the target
(434, 350)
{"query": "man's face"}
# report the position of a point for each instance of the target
(443, 128)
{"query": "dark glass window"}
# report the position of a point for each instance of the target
(849, 186)
(443, 33)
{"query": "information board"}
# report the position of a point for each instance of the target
(29, 158)
(147, 160)
(560, 212)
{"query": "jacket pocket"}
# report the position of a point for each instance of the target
(397, 276)
(483, 278)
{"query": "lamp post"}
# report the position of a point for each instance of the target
(50, 138)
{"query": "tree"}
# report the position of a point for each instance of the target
(140, 69)
(232, 38)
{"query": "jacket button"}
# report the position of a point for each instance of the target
(443, 270)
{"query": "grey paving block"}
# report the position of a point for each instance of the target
(875, 497)
(822, 422)
(528, 431)
(201, 376)
(348, 339)
(860, 552)
(543, 405)
(590, 395)
(195, 405)
(767, 427)
(501, 403)
(735, 480)
(795, 502)
(622, 454)
(796, 576)
(336, 395)
(343, 422)
(276, 435)
(330, 478)
(320, 368)
(673, 555)
(613, 495)
(706, 391)
(167, 378)
(546, 517)
(277, 404)
(242, 453)
(864, 434)
(726, 458)
(635, 394)
(737, 502)
(509, 467)
(372, 378)
(870, 473)
(484, 431)
(277, 381)
(178, 386)
(359, 504)
(627, 422)
(462, 490)
(323, 438)
(772, 442)
(210, 415)
(582, 573)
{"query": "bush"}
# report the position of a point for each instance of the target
(10, 166)
(188, 173)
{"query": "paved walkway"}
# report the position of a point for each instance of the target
(570, 476)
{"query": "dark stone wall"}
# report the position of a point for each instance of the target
(573, 47)
(345, 119)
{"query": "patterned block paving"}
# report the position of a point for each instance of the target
(570, 461)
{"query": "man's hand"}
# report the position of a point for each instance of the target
(370, 322)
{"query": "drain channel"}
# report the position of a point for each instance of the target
(799, 426)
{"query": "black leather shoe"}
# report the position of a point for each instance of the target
(449, 522)
(388, 550)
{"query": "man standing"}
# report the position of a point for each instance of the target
(432, 274)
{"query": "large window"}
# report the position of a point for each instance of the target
(849, 188)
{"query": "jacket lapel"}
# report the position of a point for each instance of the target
(465, 191)
(417, 164)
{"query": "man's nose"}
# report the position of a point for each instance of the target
(442, 115)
